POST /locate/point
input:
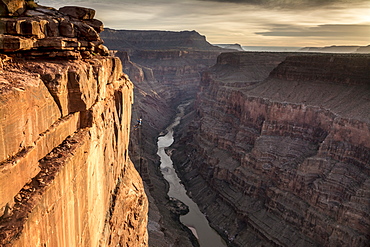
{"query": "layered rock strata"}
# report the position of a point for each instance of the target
(282, 161)
(165, 68)
(133, 40)
(66, 178)
(40, 31)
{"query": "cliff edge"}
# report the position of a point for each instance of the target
(65, 175)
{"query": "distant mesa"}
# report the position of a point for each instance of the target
(237, 47)
(130, 40)
(338, 49)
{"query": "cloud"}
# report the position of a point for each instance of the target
(247, 22)
(292, 4)
(326, 30)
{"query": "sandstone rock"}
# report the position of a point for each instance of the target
(65, 175)
(41, 23)
(74, 167)
(78, 12)
(96, 24)
(85, 31)
(10, 26)
(58, 43)
(52, 28)
(101, 49)
(31, 12)
(46, 10)
(32, 117)
(11, 7)
(12, 43)
(21, 169)
(66, 29)
(33, 28)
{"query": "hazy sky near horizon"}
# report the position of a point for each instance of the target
(247, 22)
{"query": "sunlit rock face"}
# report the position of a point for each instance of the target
(284, 159)
(12, 7)
(43, 32)
(66, 177)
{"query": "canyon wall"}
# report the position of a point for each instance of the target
(133, 40)
(66, 178)
(281, 159)
(165, 68)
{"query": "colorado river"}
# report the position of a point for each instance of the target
(194, 220)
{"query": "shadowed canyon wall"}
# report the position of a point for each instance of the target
(166, 70)
(66, 178)
(283, 160)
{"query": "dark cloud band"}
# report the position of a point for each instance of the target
(328, 30)
(292, 3)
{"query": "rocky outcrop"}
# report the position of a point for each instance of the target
(282, 161)
(45, 32)
(66, 178)
(12, 7)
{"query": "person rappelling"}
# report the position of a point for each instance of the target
(139, 122)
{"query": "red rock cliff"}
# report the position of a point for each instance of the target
(283, 161)
(65, 175)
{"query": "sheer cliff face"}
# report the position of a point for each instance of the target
(285, 159)
(66, 178)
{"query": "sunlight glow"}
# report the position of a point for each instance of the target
(223, 22)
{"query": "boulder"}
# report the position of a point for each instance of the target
(66, 29)
(78, 12)
(96, 24)
(10, 43)
(85, 31)
(11, 7)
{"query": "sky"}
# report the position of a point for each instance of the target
(288, 23)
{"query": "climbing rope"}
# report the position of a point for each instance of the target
(137, 128)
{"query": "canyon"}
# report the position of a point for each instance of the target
(165, 68)
(273, 147)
